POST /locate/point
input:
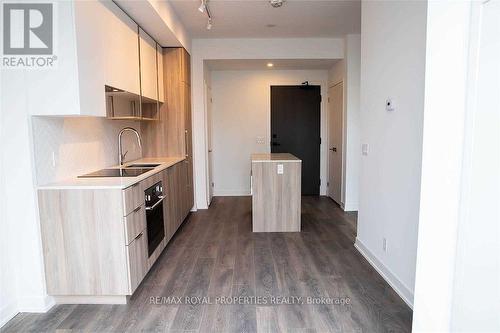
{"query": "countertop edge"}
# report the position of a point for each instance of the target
(121, 183)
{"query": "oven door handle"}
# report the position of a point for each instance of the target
(161, 197)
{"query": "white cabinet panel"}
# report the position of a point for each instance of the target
(149, 81)
(120, 36)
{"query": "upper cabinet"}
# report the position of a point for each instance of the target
(106, 66)
(121, 51)
(148, 66)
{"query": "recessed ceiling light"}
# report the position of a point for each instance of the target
(270, 64)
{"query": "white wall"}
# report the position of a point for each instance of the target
(205, 49)
(79, 144)
(348, 71)
(392, 65)
(241, 113)
(23, 284)
(352, 121)
(458, 264)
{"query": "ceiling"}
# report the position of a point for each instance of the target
(251, 18)
(278, 64)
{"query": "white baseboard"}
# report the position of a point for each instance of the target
(231, 193)
(36, 304)
(399, 287)
(90, 299)
(350, 207)
(39, 304)
(8, 312)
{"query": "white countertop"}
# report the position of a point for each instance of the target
(114, 182)
(274, 157)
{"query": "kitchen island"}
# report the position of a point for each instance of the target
(276, 192)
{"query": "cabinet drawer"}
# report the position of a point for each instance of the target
(137, 252)
(133, 197)
(135, 222)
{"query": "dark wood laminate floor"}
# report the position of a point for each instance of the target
(215, 254)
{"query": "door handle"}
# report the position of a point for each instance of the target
(333, 149)
(275, 144)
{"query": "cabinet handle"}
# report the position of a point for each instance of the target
(137, 209)
(139, 235)
(186, 142)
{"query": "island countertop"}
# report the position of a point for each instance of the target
(274, 157)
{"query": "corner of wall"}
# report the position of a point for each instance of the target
(399, 287)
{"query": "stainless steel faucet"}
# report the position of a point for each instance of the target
(121, 156)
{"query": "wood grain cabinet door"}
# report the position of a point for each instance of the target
(159, 73)
(137, 252)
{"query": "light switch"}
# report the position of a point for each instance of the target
(280, 169)
(364, 149)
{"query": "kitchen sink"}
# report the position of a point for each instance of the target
(142, 165)
(117, 173)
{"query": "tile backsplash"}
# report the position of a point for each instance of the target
(65, 147)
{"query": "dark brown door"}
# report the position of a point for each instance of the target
(295, 129)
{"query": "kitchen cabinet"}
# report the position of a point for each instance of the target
(137, 252)
(90, 51)
(98, 47)
(159, 73)
(120, 49)
(148, 66)
(172, 135)
(95, 240)
(276, 182)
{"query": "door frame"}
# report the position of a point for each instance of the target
(209, 140)
(342, 187)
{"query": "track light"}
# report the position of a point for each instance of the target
(204, 9)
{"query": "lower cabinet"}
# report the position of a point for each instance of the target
(178, 203)
(95, 241)
(137, 252)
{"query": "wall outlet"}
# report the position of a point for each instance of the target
(384, 244)
(261, 140)
(280, 169)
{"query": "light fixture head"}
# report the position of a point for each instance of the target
(276, 3)
(209, 24)
(270, 64)
(202, 6)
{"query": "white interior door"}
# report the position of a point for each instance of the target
(335, 111)
(208, 106)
